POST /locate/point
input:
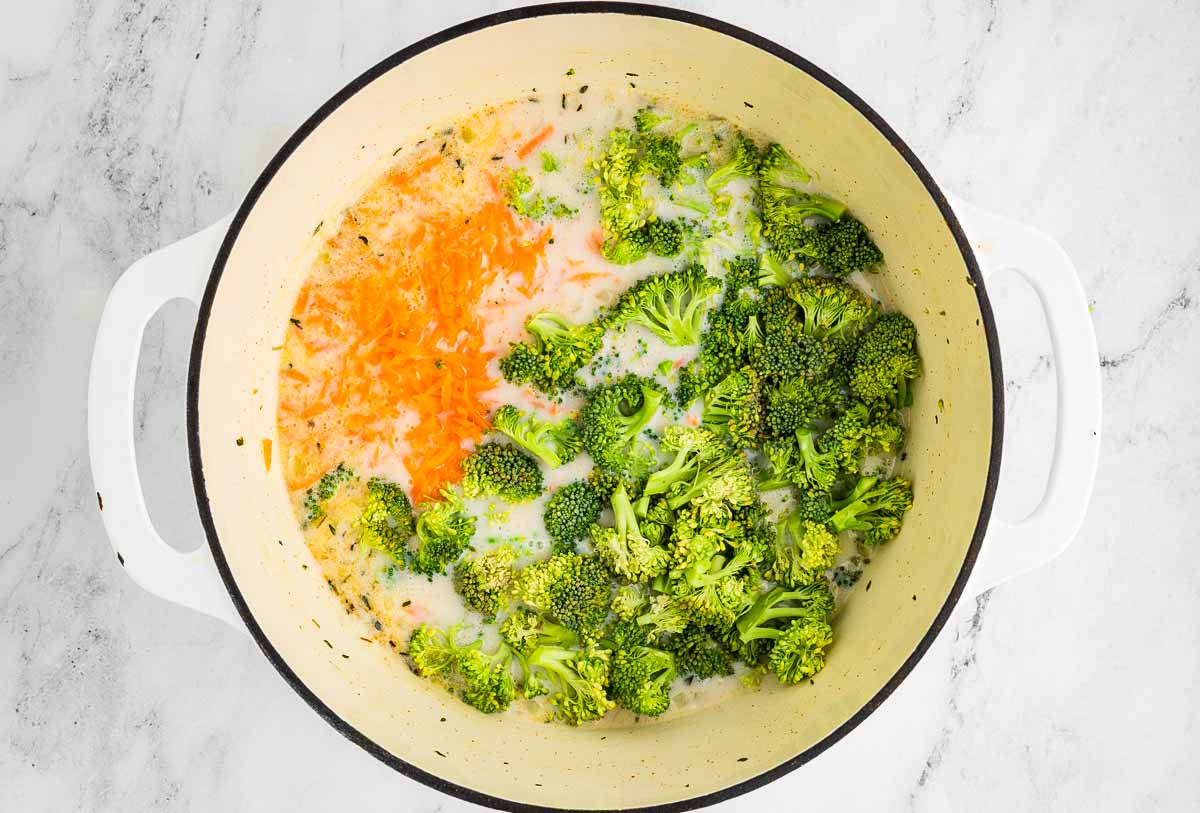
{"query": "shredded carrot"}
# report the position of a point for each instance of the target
(391, 352)
(266, 446)
(584, 276)
(535, 142)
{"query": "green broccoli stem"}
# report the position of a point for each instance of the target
(750, 625)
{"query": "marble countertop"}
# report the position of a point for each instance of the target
(127, 125)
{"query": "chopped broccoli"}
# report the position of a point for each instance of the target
(614, 415)
(813, 600)
(318, 495)
(799, 653)
(672, 305)
(574, 679)
(386, 522)
(645, 119)
(518, 190)
(570, 512)
(886, 361)
(802, 552)
(484, 581)
(778, 167)
(665, 236)
(555, 664)
(623, 548)
(444, 530)
(875, 509)
(741, 272)
(714, 590)
(734, 408)
(861, 431)
(482, 680)
(557, 352)
(572, 589)
(495, 470)
(640, 678)
(554, 443)
(843, 247)
(743, 163)
(830, 307)
(696, 653)
(796, 404)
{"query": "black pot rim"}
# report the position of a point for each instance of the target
(499, 18)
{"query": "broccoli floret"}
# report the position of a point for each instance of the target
(861, 431)
(572, 589)
(800, 643)
(614, 415)
(386, 522)
(318, 495)
(482, 680)
(774, 272)
(734, 408)
(525, 630)
(494, 470)
(798, 403)
(781, 457)
(518, 190)
(628, 600)
(813, 470)
(623, 548)
(574, 679)
(875, 509)
(740, 272)
(665, 236)
(554, 664)
(487, 681)
(844, 247)
(558, 351)
(786, 351)
(662, 615)
(484, 581)
(640, 679)
(734, 334)
(799, 653)
(813, 506)
(692, 446)
(813, 600)
(663, 156)
(672, 305)
(803, 550)
(619, 175)
(719, 482)
(570, 512)
(432, 652)
(886, 361)
(830, 307)
(645, 119)
(743, 163)
(444, 530)
(785, 209)
(696, 653)
(714, 591)
(785, 212)
(778, 167)
(552, 442)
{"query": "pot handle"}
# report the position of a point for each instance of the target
(1013, 548)
(179, 271)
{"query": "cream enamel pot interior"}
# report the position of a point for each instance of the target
(245, 272)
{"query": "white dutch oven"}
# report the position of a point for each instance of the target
(244, 273)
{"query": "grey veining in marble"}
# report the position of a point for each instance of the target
(127, 125)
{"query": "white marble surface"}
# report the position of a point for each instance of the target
(126, 125)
